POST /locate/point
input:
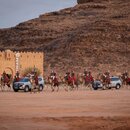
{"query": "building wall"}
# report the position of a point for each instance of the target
(8, 61)
(31, 60)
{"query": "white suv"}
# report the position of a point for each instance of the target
(24, 84)
(114, 83)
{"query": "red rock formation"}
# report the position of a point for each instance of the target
(94, 35)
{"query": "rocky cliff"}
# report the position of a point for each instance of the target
(87, 1)
(95, 35)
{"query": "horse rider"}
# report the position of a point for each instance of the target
(36, 80)
(90, 77)
(85, 72)
(55, 82)
(67, 76)
(5, 78)
(52, 74)
(73, 78)
(17, 76)
(107, 79)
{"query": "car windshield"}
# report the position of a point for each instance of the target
(40, 79)
(24, 80)
(115, 79)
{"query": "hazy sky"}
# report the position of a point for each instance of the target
(13, 12)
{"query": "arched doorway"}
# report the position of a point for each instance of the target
(9, 71)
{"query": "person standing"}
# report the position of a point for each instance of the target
(55, 82)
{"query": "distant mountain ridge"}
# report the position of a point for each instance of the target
(93, 35)
(86, 1)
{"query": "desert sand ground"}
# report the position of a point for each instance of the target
(74, 110)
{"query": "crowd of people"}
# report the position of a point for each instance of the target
(70, 79)
(73, 79)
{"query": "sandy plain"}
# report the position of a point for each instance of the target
(73, 110)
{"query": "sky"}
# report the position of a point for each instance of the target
(13, 12)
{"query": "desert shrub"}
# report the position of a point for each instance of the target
(31, 70)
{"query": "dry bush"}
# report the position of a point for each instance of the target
(31, 70)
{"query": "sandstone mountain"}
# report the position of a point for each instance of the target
(94, 35)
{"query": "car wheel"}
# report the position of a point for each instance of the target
(95, 88)
(40, 87)
(118, 86)
(15, 90)
(26, 89)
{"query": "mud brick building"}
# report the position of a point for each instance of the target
(11, 62)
